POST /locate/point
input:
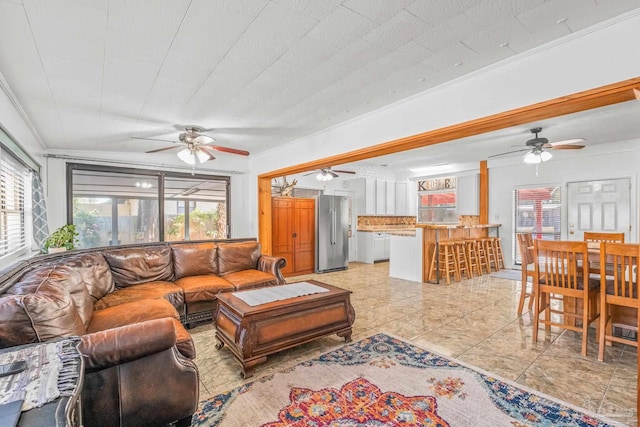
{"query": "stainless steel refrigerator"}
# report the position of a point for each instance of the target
(332, 227)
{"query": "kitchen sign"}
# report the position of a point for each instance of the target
(437, 184)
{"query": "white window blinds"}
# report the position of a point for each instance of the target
(537, 211)
(13, 186)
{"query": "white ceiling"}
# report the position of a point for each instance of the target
(92, 73)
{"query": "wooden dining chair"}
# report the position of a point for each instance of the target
(619, 301)
(565, 273)
(593, 237)
(525, 244)
(603, 237)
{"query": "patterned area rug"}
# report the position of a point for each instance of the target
(383, 381)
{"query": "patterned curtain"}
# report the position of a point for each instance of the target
(40, 226)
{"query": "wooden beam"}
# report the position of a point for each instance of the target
(264, 215)
(484, 193)
(593, 98)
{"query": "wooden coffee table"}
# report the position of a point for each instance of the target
(253, 332)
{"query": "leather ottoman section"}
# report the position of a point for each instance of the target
(203, 288)
(130, 313)
(248, 279)
(146, 291)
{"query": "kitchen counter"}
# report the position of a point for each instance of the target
(455, 226)
(392, 231)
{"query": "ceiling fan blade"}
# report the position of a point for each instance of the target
(332, 173)
(152, 139)
(211, 156)
(340, 171)
(157, 150)
(565, 142)
(226, 149)
(567, 147)
(509, 152)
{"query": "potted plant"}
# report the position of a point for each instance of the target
(63, 239)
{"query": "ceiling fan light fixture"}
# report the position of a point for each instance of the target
(532, 158)
(186, 156)
(324, 176)
(537, 156)
(201, 155)
(545, 155)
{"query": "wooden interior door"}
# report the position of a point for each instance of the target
(294, 233)
(304, 235)
(283, 218)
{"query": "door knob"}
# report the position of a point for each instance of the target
(571, 232)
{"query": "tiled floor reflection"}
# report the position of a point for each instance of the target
(474, 321)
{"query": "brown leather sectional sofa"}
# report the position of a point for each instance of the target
(129, 304)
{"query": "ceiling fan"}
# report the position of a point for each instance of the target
(327, 174)
(196, 146)
(537, 147)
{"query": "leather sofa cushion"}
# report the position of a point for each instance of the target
(134, 266)
(47, 314)
(130, 313)
(95, 273)
(184, 342)
(146, 291)
(64, 277)
(194, 259)
(248, 279)
(203, 288)
(16, 326)
(137, 312)
(237, 256)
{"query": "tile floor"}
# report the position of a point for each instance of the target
(474, 321)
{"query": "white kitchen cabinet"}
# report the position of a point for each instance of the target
(402, 198)
(381, 197)
(380, 246)
(390, 200)
(369, 197)
(387, 244)
(467, 195)
(373, 247)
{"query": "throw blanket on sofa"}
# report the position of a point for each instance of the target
(52, 371)
(277, 293)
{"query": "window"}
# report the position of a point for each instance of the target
(437, 207)
(437, 200)
(537, 211)
(206, 217)
(15, 190)
(117, 206)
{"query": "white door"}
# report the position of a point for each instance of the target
(599, 206)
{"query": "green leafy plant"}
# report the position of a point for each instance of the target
(63, 237)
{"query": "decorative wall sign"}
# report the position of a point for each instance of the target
(437, 184)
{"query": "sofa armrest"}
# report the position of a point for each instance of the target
(273, 265)
(120, 345)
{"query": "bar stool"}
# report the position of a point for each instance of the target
(483, 257)
(447, 261)
(489, 250)
(473, 260)
(461, 259)
(497, 243)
